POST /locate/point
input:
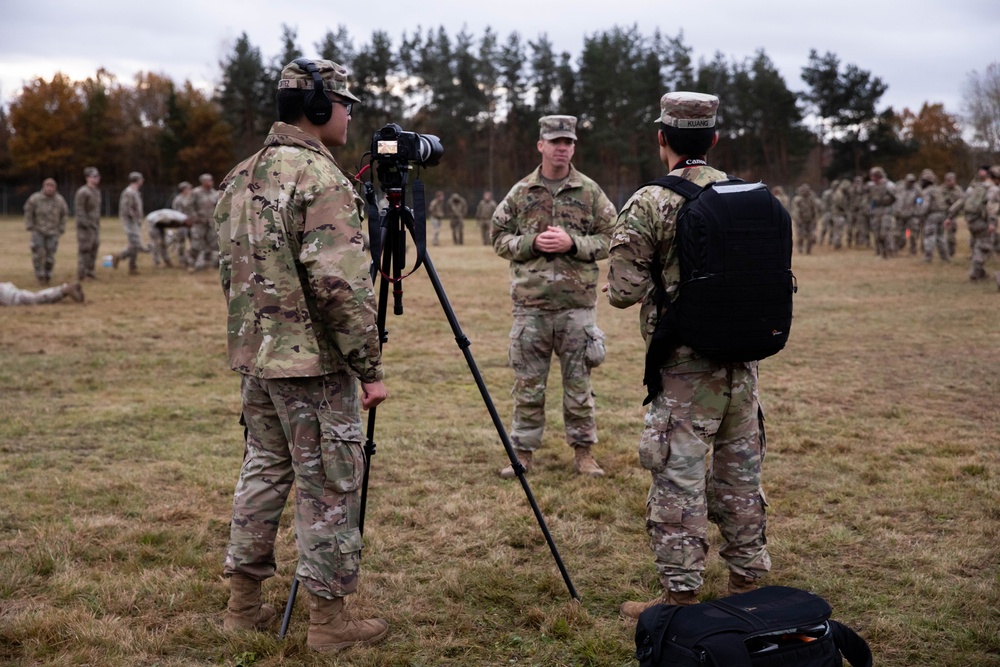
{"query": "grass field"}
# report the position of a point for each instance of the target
(119, 450)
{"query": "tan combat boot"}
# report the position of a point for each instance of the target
(332, 630)
(740, 584)
(245, 610)
(633, 609)
(74, 291)
(585, 464)
(524, 456)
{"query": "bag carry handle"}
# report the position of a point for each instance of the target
(851, 644)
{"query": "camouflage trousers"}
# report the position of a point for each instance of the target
(133, 233)
(935, 238)
(838, 225)
(458, 231)
(10, 295)
(912, 226)
(982, 248)
(484, 230)
(177, 242)
(306, 430)
(535, 336)
(88, 241)
(435, 230)
(704, 444)
(158, 245)
(201, 252)
(884, 229)
(805, 235)
(43, 254)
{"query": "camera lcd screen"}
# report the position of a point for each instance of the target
(387, 147)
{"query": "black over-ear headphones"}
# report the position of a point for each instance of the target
(316, 106)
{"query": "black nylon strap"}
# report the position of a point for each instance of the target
(374, 230)
(852, 645)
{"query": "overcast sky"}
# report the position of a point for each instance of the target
(923, 49)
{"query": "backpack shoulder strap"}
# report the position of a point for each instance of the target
(682, 186)
(851, 644)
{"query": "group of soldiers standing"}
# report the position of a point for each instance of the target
(455, 208)
(918, 214)
(183, 230)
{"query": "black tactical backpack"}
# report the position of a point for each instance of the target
(734, 301)
(773, 626)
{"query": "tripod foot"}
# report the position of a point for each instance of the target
(524, 458)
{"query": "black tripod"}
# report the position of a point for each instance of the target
(388, 245)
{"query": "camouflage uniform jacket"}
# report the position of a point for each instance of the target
(457, 208)
(952, 194)
(293, 267)
(87, 206)
(935, 199)
(806, 208)
(130, 207)
(435, 208)
(553, 282)
(182, 203)
(44, 214)
(979, 204)
(645, 232)
(840, 203)
(880, 195)
(485, 210)
(201, 204)
(906, 205)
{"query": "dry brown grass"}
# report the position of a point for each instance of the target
(119, 448)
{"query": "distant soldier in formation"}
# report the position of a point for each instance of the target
(952, 193)
(45, 215)
(806, 210)
(980, 206)
(203, 200)
(11, 295)
(935, 207)
(457, 210)
(484, 213)
(839, 213)
(87, 207)
(554, 226)
(435, 211)
(826, 222)
(178, 238)
(881, 196)
(860, 215)
(779, 194)
(907, 211)
(130, 212)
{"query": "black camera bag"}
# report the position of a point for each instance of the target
(773, 626)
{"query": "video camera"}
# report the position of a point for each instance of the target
(396, 151)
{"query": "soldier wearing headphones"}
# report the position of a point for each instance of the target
(303, 336)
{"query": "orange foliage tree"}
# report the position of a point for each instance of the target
(47, 133)
(936, 137)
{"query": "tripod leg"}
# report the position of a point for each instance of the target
(288, 608)
(463, 344)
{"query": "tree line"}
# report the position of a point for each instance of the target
(482, 95)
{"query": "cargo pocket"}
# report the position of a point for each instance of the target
(514, 355)
(596, 350)
(654, 444)
(342, 452)
(349, 544)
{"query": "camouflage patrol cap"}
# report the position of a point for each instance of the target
(995, 172)
(204, 178)
(928, 175)
(294, 76)
(688, 111)
(91, 171)
(554, 127)
(134, 176)
(911, 178)
(876, 171)
(183, 185)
